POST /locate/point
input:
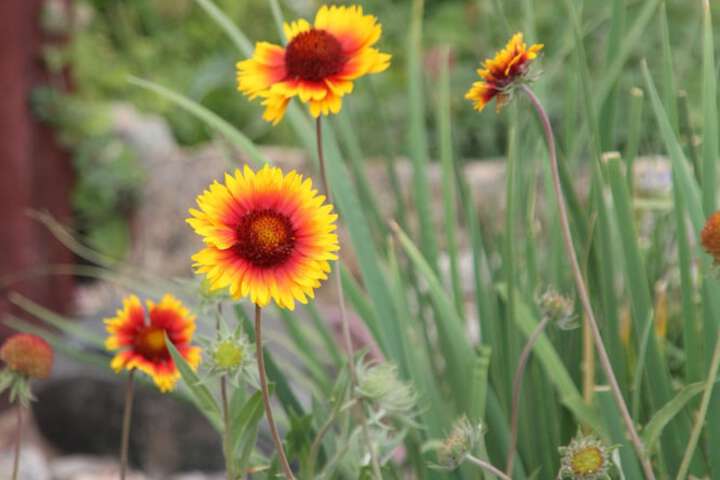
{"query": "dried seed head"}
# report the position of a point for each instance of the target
(459, 443)
(558, 308)
(586, 458)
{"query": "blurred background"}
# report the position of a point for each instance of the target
(88, 157)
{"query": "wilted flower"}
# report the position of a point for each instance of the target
(586, 458)
(380, 383)
(140, 337)
(318, 65)
(26, 357)
(710, 237)
(268, 236)
(502, 73)
(460, 443)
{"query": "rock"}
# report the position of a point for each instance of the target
(83, 416)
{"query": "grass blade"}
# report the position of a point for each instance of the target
(417, 140)
(448, 178)
(710, 115)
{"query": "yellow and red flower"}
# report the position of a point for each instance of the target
(318, 65)
(139, 335)
(267, 235)
(27, 355)
(500, 74)
(710, 237)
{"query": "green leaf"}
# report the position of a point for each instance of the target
(238, 38)
(200, 394)
(243, 422)
(710, 115)
(652, 431)
(212, 119)
(418, 142)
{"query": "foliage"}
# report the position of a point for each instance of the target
(651, 284)
(108, 175)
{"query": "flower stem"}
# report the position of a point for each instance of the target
(702, 413)
(18, 441)
(226, 422)
(266, 394)
(343, 313)
(127, 416)
(225, 407)
(582, 289)
(517, 385)
(488, 467)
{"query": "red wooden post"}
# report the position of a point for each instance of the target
(34, 171)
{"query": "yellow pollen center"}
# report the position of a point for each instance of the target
(269, 232)
(587, 460)
(151, 342)
(265, 238)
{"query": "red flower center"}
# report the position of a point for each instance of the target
(265, 238)
(314, 55)
(150, 343)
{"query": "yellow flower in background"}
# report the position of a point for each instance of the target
(139, 334)
(267, 235)
(318, 65)
(501, 73)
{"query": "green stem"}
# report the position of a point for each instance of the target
(127, 416)
(226, 422)
(343, 314)
(517, 385)
(488, 467)
(582, 288)
(18, 440)
(702, 413)
(266, 395)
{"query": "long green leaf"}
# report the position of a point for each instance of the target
(200, 394)
(654, 428)
(710, 115)
(448, 179)
(212, 119)
(418, 143)
(238, 38)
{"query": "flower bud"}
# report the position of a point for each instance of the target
(380, 383)
(27, 355)
(229, 355)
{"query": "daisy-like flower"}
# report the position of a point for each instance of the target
(318, 65)
(710, 237)
(502, 73)
(586, 458)
(139, 335)
(267, 235)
